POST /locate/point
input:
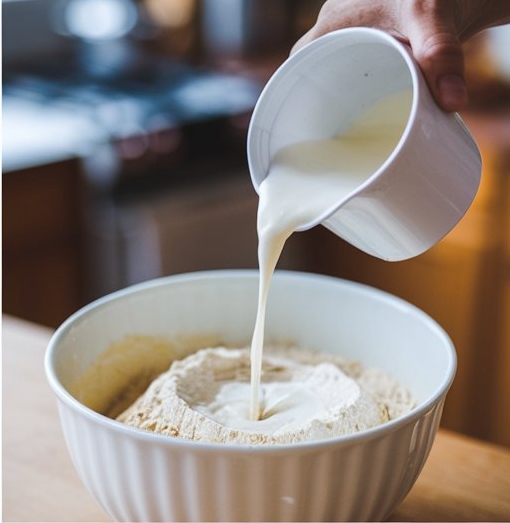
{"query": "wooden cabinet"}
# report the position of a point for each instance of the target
(42, 259)
(494, 139)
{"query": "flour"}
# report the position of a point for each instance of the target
(306, 396)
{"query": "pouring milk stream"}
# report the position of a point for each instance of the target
(307, 179)
(346, 134)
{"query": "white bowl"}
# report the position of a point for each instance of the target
(141, 476)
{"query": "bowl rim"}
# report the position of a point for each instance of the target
(409, 418)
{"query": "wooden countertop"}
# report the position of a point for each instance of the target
(463, 479)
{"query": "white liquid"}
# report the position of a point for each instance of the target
(305, 181)
(289, 406)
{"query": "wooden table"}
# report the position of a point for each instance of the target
(463, 480)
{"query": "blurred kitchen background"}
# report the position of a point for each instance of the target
(124, 136)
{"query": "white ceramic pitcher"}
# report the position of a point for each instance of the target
(420, 192)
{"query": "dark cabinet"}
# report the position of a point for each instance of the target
(42, 242)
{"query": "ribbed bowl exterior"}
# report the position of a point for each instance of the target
(143, 477)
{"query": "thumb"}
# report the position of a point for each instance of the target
(441, 59)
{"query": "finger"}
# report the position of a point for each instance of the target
(305, 39)
(441, 60)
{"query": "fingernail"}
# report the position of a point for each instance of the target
(452, 92)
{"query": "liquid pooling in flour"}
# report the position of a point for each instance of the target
(307, 180)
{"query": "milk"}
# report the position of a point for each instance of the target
(312, 394)
(305, 181)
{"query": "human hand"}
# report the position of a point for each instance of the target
(434, 29)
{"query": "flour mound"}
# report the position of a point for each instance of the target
(306, 396)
